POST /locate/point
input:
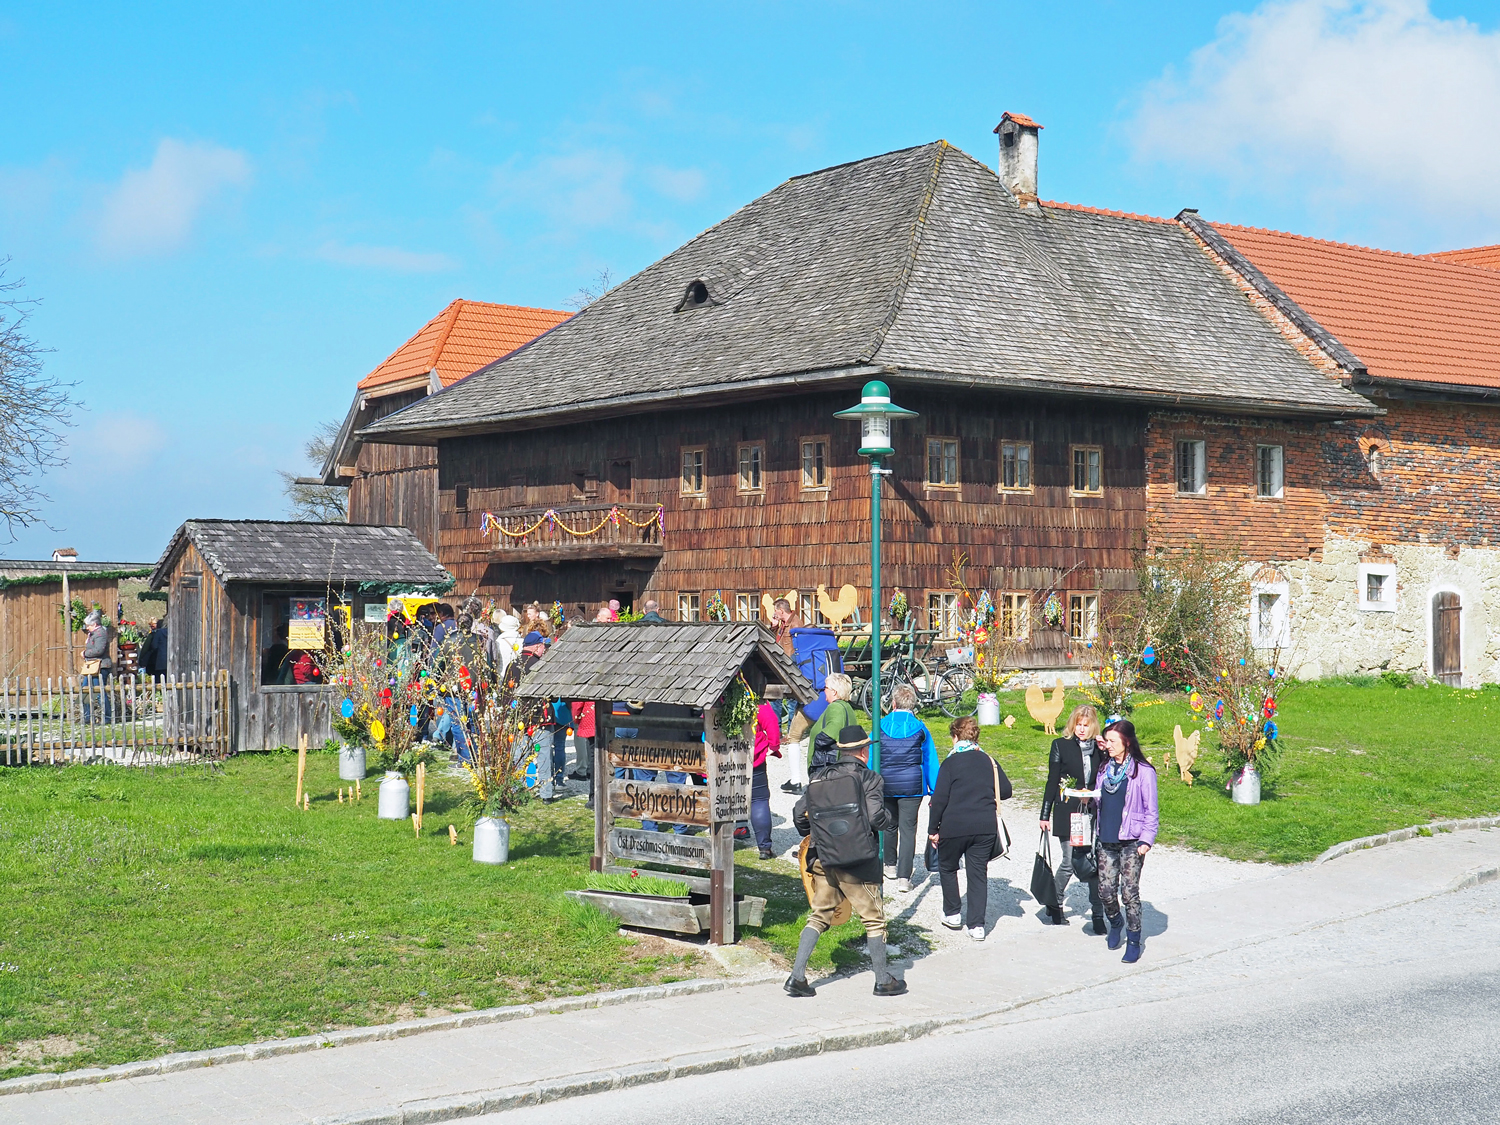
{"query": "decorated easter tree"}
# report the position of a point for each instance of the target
(997, 644)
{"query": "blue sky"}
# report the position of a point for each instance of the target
(231, 213)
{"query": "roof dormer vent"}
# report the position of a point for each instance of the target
(697, 296)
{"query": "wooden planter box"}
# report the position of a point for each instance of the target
(659, 912)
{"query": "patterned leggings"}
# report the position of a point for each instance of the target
(1120, 881)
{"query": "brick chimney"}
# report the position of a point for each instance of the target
(1018, 153)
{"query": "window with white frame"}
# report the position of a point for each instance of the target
(692, 471)
(1377, 587)
(1015, 466)
(942, 462)
(688, 607)
(746, 607)
(1191, 476)
(1268, 472)
(807, 608)
(943, 614)
(1083, 616)
(814, 463)
(1270, 617)
(752, 457)
(1015, 616)
(1088, 461)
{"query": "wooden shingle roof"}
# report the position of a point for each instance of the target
(335, 554)
(689, 663)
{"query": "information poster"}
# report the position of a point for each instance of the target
(309, 618)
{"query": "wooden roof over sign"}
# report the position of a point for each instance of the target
(689, 663)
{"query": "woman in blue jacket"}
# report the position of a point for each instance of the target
(908, 766)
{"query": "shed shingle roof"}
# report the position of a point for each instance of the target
(687, 663)
(283, 551)
(915, 263)
(1411, 318)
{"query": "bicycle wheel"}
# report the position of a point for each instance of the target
(955, 694)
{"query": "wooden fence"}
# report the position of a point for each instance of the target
(129, 720)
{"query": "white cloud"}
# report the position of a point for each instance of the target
(112, 444)
(682, 184)
(152, 210)
(1365, 100)
(595, 188)
(385, 258)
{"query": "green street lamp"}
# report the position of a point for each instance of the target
(875, 411)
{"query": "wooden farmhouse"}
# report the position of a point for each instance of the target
(33, 630)
(397, 484)
(1090, 384)
(233, 589)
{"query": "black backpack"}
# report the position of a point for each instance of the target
(840, 830)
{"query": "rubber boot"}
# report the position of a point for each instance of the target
(1132, 947)
(1116, 931)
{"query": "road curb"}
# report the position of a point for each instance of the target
(270, 1048)
(1395, 836)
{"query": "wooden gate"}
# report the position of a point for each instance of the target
(1447, 647)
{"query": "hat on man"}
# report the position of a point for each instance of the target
(853, 738)
(532, 638)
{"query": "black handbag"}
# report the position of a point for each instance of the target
(1085, 863)
(1043, 882)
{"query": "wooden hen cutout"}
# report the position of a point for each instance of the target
(768, 604)
(838, 610)
(1044, 710)
(1187, 751)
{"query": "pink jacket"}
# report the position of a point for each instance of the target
(767, 734)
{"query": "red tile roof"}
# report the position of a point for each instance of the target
(1406, 316)
(1020, 119)
(1103, 211)
(1487, 257)
(460, 340)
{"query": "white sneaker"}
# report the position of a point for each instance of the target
(903, 887)
(976, 932)
(953, 921)
(890, 874)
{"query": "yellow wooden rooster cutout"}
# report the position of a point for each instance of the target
(1187, 751)
(1044, 710)
(837, 611)
(768, 604)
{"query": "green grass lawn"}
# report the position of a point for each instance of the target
(1360, 758)
(178, 909)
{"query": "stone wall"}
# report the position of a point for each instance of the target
(1332, 635)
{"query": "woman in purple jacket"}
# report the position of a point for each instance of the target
(1126, 795)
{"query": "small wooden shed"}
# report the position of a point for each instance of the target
(33, 637)
(680, 671)
(240, 590)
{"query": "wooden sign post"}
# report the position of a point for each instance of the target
(706, 752)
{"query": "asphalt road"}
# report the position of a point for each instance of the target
(1394, 1017)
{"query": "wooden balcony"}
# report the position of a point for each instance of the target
(576, 531)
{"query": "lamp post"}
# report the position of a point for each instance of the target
(875, 411)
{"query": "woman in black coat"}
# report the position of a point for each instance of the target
(961, 823)
(1076, 757)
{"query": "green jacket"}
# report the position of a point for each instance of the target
(838, 715)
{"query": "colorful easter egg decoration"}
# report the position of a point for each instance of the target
(377, 731)
(1271, 730)
(346, 708)
(1149, 656)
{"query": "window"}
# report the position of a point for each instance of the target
(1270, 624)
(746, 607)
(815, 463)
(944, 615)
(1377, 587)
(1190, 472)
(807, 609)
(1375, 462)
(687, 607)
(460, 497)
(752, 459)
(692, 472)
(942, 462)
(1015, 616)
(1086, 478)
(1083, 616)
(1268, 471)
(1015, 466)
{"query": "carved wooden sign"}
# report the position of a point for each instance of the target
(729, 779)
(650, 754)
(634, 846)
(649, 800)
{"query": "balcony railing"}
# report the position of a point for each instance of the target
(576, 531)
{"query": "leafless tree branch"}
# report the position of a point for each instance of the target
(316, 503)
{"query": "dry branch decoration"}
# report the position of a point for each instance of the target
(996, 655)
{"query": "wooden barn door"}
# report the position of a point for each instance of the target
(1447, 652)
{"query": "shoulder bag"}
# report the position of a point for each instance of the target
(1002, 834)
